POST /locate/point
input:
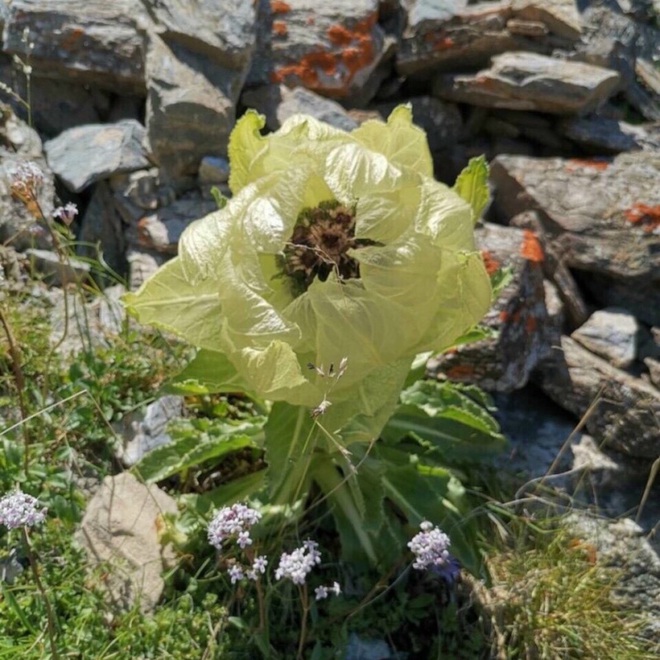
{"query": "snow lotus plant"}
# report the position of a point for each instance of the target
(336, 262)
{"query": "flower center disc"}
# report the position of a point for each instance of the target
(319, 246)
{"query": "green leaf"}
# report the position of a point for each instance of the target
(447, 421)
(192, 446)
(291, 437)
(472, 185)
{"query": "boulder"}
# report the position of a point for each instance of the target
(90, 41)
(333, 49)
(122, 528)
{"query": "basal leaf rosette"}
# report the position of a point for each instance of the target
(334, 246)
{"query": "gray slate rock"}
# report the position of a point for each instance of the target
(519, 315)
(527, 81)
(222, 31)
(604, 135)
(623, 410)
(190, 107)
(612, 334)
(601, 216)
(85, 154)
(121, 528)
(278, 103)
(92, 41)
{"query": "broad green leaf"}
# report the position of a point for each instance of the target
(472, 186)
(187, 452)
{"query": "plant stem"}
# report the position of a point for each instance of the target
(304, 599)
(19, 379)
(40, 586)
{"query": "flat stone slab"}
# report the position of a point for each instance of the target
(601, 216)
(623, 411)
(612, 334)
(85, 154)
(121, 527)
(453, 35)
(608, 136)
(527, 81)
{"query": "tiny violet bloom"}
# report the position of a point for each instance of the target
(66, 214)
(26, 175)
(258, 568)
(295, 566)
(232, 521)
(430, 547)
(236, 573)
(20, 510)
(323, 591)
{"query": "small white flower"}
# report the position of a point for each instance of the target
(230, 521)
(430, 547)
(66, 213)
(20, 510)
(324, 591)
(295, 566)
(258, 567)
(236, 573)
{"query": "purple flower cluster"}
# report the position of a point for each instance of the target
(295, 566)
(238, 572)
(20, 510)
(233, 521)
(430, 547)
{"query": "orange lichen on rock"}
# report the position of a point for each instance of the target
(280, 29)
(647, 217)
(504, 316)
(459, 371)
(72, 40)
(439, 41)
(491, 264)
(596, 164)
(531, 247)
(279, 7)
(355, 50)
(531, 324)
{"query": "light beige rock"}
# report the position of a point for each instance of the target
(122, 527)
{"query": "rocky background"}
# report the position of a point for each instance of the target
(132, 102)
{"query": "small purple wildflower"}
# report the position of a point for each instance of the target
(258, 568)
(236, 573)
(296, 565)
(430, 547)
(20, 510)
(67, 213)
(323, 591)
(233, 520)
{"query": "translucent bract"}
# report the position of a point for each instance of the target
(416, 280)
